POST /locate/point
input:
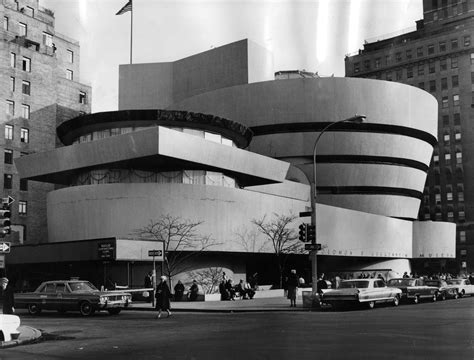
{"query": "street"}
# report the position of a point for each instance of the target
(424, 331)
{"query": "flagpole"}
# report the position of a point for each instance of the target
(131, 33)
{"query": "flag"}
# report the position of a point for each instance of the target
(127, 7)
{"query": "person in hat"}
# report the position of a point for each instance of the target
(162, 296)
(6, 296)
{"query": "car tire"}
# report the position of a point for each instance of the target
(34, 309)
(86, 308)
(443, 296)
(371, 304)
(396, 300)
(416, 299)
(462, 293)
(456, 295)
(114, 311)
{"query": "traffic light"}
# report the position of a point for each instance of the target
(311, 233)
(303, 232)
(5, 222)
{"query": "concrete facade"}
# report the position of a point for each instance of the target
(34, 64)
(438, 58)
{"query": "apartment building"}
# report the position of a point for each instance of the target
(438, 57)
(39, 89)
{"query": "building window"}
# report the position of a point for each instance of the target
(444, 102)
(454, 63)
(449, 196)
(69, 74)
(442, 46)
(70, 56)
(431, 67)
(462, 236)
(409, 72)
(419, 51)
(454, 44)
(447, 158)
(443, 65)
(446, 120)
(24, 135)
(9, 132)
(23, 28)
(438, 198)
(421, 69)
(356, 67)
(26, 64)
(47, 39)
(23, 185)
(30, 11)
(26, 87)
(456, 100)
(430, 49)
(444, 83)
(25, 111)
(446, 138)
(10, 108)
(454, 81)
(367, 64)
(5, 23)
(457, 118)
(436, 159)
(457, 136)
(377, 63)
(398, 75)
(467, 40)
(463, 252)
(388, 76)
(458, 157)
(7, 181)
(398, 56)
(421, 85)
(387, 59)
(460, 196)
(408, 54)
(12, 60)
(82, 97)
(472, 58)
(432, 85)
(22, 206)
(12, 83)
(8, 157)
(451, 215)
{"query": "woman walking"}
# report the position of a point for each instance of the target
(292, 286)
(162, 296)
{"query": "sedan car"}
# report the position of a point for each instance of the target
(464, 286)
(414, 289)
(72, 295)
(444, 289)
(362, 291)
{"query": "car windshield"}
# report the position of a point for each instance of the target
(401, 282)
(432, 283)
(354, 284)
(81, 286)
(454, 282)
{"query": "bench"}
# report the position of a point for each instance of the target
(9, 327)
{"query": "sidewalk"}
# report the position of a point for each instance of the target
(27, 336)
(251, 305)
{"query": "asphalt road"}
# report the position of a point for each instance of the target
(441, 330)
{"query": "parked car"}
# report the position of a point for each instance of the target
(72, 295)
(414, 289)
(464, 286)
(362, 291)
(445, 290)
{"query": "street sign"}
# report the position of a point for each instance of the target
(154, 252)
(4, 247)
(8, 200)
(316, 247)
(305, 213)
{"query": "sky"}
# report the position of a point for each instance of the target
(311, 35)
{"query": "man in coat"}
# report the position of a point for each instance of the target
(7, 297)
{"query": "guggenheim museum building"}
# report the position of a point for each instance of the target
(219, 138)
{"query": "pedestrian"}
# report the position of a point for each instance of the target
(6, 296)
(178, 291)
(292, 287)
(162, 296)
(148, 284)
(321, 284)
(193, 291)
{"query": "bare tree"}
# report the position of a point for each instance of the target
(248, 240)
(181, 239)
(282, 238)
(209, 278)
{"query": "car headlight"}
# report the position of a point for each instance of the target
(103, 299)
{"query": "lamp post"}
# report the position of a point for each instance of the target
(357, 119)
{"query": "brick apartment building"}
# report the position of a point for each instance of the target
(438, 57)
(39, 69)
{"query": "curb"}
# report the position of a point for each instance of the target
(227, 310)
(31, 339)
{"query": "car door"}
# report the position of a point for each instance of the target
(47, 296)
(380, 290)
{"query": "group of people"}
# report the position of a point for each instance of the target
(229, 292)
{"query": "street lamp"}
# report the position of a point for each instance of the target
(356, 119)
